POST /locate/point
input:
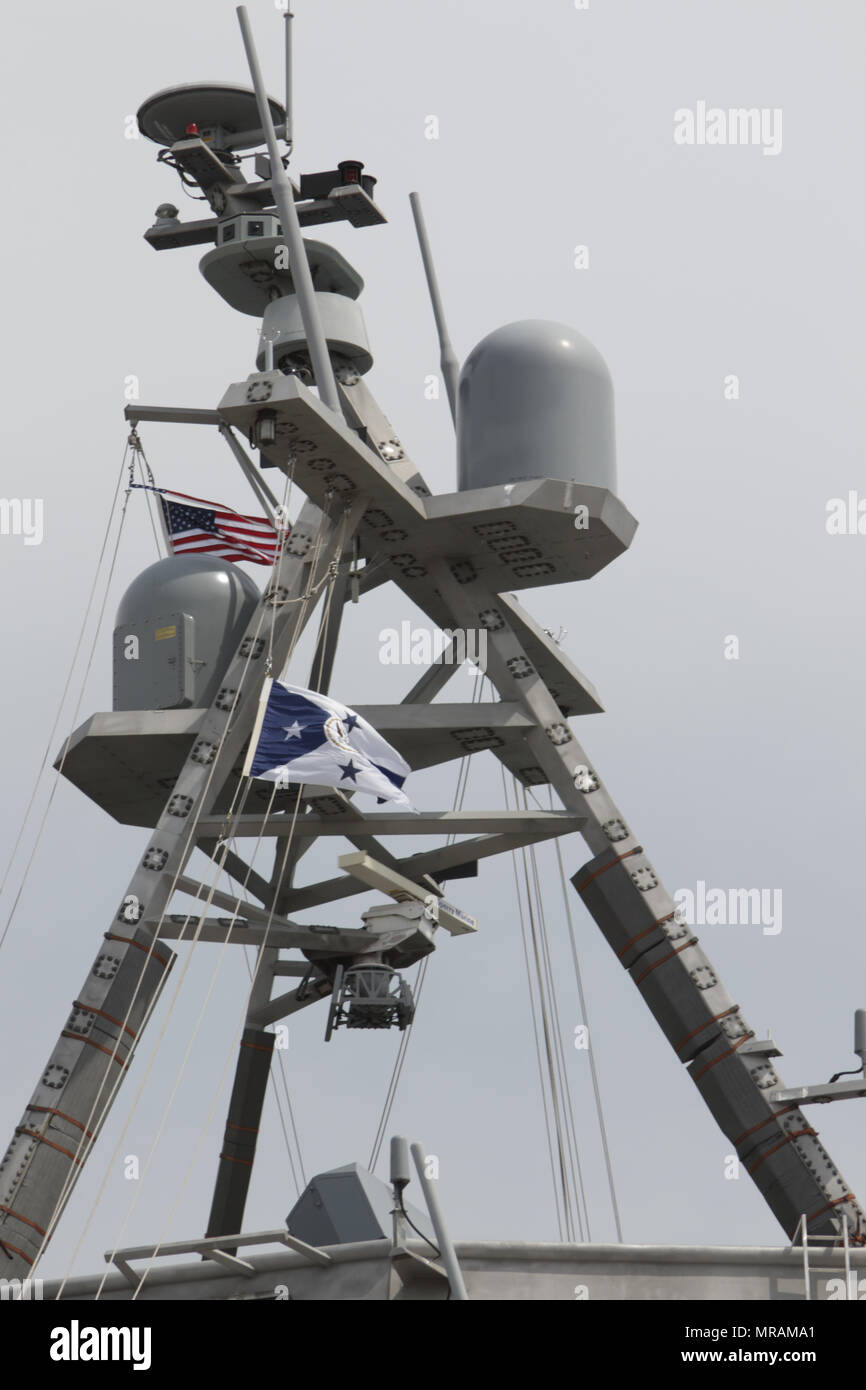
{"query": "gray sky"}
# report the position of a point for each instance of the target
(556, 129)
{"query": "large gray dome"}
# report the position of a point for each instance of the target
(178, 626)
(535, 400)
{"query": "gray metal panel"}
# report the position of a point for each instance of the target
(427, 735)
(154, 663)
(330, 458)
(245, 273)
(342, 323)
(346, 1205)
(126, 760)
(165, 116)
(501, 1271)
(571, 689)
(519, 536)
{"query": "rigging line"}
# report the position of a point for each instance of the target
(333, 571)
(224, 946)
(291, 1110)
(397, 1072)
(568, 1108)
(559, 1052)
(142, 464)
(547, 1120)
(399, 1061)
(280, 1060)
(231, 1053)
(596, 1084)
(70, 1178)
(565, 1087)
(273, 1080)
(590, 1048)
(555, 1131)
(323, 630)
(275, 579)
(551, 1071)
(50, 743)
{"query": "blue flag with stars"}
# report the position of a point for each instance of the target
(302, 736)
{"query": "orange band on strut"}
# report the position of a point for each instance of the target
(603, 870)
(650, 968)
(795, 1134)
(738, 1043)
(645, 932)
(79, 1037)
(828, 1206)
(89, 1009)
(42, 1140)
(715, 1018)
(7, 1244)
(775, 1116)
(25, 1219)
(44, 1110)
(110, 936)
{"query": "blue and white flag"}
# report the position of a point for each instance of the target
(301, 736)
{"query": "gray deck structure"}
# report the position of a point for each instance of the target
(500, 1271)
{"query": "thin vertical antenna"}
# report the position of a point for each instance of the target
(288, 134)
(299, 265)
(447, 356)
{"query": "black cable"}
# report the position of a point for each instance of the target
(404, 1213)
(857, 1071)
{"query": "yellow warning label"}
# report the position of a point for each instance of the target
(163, 632)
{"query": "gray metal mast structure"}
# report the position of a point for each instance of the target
(536, 505)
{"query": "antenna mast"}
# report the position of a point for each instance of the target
(288, 134)
(447, 356)
(285, 201)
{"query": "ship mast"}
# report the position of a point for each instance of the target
(538, 506)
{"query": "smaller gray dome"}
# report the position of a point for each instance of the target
(535, 400)
(180, 621)
(191, 582)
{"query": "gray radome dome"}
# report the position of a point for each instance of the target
(535, 400)
(187, 614)
(193, 583)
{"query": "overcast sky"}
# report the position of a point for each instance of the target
(706, 261)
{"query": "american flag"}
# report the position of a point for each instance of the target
(209, 528)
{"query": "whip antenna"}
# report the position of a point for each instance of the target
(285, 201)
(447, 356)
